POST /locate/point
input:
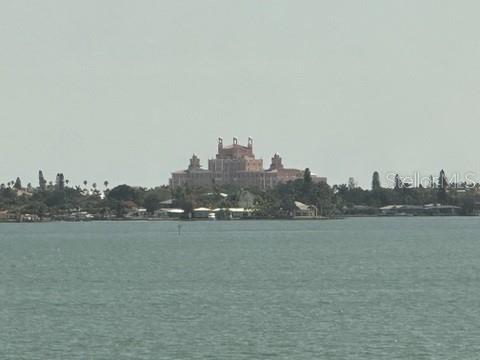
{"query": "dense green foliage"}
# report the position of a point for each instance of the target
(51, 200)
(59, 199)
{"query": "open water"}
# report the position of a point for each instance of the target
(370, 288)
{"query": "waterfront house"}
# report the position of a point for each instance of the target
(5, 215)
(416, 210)
(168, 213)
(402, 210)
(166, 203)
(438, 209)
(232, 213)
(304, 210)
(201, 213)
(136, 213)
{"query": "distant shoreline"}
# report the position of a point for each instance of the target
(235, 220)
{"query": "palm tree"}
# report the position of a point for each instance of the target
(67, 181)
(105, 183)
(85, 182)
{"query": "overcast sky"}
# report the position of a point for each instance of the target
(126, 91)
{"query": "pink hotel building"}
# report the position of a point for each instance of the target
(236, 164)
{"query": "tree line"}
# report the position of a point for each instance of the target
(59, 197)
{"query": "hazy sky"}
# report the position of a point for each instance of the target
(126, 91)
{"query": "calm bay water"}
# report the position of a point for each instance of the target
(376, 288)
